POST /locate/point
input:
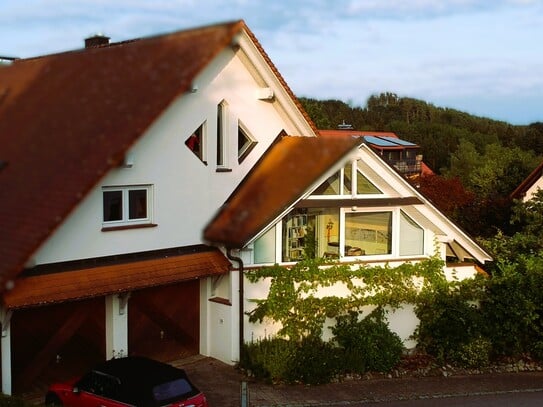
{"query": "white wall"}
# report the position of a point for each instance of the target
(186, 192)
(402, 321)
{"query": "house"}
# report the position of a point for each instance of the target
(354, 207)
(403, 155)
(527, 188)
(137, 181)
(113, 159)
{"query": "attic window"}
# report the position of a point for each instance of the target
(195, 143)
(246, 143)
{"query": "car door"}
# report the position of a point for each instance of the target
(97, 389)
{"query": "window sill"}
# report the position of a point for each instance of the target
(220, 300)
(127, 227)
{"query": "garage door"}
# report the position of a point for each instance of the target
(56, 342)
(164, 322)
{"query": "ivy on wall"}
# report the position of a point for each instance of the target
(293, 298)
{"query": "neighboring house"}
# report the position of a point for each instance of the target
(112, 160)
(403, 155)
(527, 188)
(138, 179)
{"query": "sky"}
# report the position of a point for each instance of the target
(484, 57)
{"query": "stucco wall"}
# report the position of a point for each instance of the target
(186, 193)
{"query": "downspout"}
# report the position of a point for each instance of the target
(241, 295)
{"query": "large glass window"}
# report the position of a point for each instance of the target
(368, 233)
(334, 233)
(310, 233)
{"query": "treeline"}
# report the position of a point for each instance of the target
(437, 130)
(478, 161)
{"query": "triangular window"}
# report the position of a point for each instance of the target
(330, 187)
(365, 186)
(245, 143)
(195, 143)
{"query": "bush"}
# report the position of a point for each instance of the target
(474, 354)
(367, 344)
(268, 358)
(448, 322)
(310, 361)
(314, 362)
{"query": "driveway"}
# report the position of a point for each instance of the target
(222, 385)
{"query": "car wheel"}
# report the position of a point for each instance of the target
(52, 400)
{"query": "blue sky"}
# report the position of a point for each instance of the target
(484, 57)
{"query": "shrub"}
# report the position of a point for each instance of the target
(268, 358)
(476, 353)
(310, 361)
(313, 362)
(367, 344)
(448, 321)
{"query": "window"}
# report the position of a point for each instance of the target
(342, 183)
(411, 236)
(368, 233)
(264, 248)
(126, 205)
(245, 143)
(221, 133)
(345, 232)
(195, 143)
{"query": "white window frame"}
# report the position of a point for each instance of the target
(222, 139)
(248, 147)
(125, 221)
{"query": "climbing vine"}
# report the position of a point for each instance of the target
(294, 302)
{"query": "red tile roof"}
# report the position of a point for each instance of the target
(111, 279)
(67, 119)
(280, 178)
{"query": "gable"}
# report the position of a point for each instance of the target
(67, 120)
(395, 194)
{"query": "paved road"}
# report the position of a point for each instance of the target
(506, 399)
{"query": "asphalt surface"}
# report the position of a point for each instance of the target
(222, 385)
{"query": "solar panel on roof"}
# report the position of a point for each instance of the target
(398, 141)
(378, 141)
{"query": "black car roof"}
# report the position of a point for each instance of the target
(130, 368)
(138, 375)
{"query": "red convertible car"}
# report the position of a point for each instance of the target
(130, 381)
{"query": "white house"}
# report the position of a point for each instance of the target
(355, 206)
(113, 159)
(137, 179)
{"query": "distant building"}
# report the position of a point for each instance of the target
(402, 155)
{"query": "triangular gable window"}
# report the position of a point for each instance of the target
(195, 143)
(365, 186)
(341, 183)
(246, 143)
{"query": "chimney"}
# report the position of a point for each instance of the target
(96, 40)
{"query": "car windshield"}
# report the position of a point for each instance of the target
(172, 390)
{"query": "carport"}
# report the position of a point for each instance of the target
(60, 317)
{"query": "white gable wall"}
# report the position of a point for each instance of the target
(186, 192)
